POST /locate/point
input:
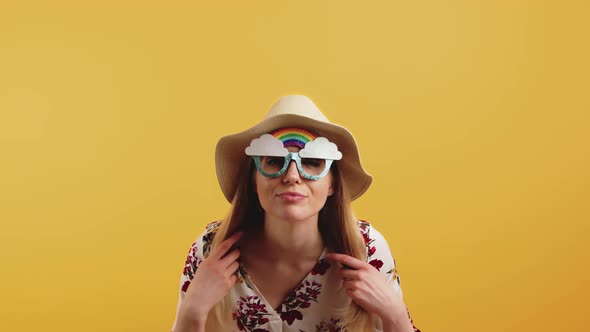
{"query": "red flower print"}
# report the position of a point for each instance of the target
(300, 298)
(207, 241)
(250, 314)
(333, 326)
(365, 229)
(191, 264)
(192, 260)
(321, 267)
(376, 264)
(185, 286)
(366, 237)
(291, 316)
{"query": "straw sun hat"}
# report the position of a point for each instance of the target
(291, 111)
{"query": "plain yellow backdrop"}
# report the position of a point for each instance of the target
(472, 116)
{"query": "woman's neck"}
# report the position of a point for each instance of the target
(296, 241)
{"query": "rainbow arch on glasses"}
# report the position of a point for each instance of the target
(294, 136)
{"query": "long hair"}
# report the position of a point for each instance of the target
(337, 226)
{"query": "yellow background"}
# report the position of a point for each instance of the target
(472, 116)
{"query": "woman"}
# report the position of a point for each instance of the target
(290, 256)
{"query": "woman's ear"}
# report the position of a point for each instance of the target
(332, 180)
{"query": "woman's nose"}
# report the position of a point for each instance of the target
(292, 174)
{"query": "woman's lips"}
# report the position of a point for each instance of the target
(291, 196)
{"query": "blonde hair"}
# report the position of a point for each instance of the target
(337, 225)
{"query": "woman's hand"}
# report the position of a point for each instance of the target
(369, 289)
(214, 277)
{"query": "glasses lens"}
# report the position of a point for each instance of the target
(272, 165)
(313, 166)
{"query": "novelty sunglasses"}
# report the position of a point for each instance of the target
(313, 160)
(309, 168)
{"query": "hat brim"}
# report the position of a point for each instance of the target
(230, 155)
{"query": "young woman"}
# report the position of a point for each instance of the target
(290, 255)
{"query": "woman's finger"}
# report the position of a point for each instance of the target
(224, 247)
(349, 261)
(231, 269)
(348, 274)
(230, 257)
(233, 279)
(349, 284)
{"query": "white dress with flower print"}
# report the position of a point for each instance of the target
(310, 307)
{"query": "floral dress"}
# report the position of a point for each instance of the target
(310, 307)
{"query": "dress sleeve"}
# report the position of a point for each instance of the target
(198, 251)
(380, 257)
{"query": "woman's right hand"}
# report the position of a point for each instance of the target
(213, 279)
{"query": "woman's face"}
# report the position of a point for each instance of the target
(291, 196)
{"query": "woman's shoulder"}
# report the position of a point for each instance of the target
(369, 232)
(213, 226)
(364, 226)
(378, 252)
(198, 251)
(202, 244)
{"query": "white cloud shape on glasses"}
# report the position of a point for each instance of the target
(320, 148)
(266, 145)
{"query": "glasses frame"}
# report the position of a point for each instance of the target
(288, 158)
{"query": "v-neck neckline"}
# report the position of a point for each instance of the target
(252, 285)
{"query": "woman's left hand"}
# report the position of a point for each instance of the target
(369, 289)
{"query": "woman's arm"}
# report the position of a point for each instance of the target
(205, 282)
(189, 323)
(374, 285)
(367, 287)
(393, 324)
